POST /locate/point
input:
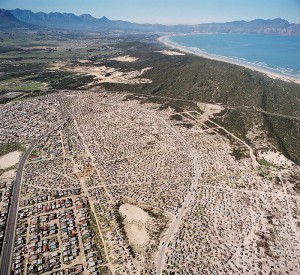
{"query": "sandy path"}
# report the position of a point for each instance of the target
(247, 108)
(85, 190)
(69, 114)
(252, 156)
(292, 221)
(173, 228)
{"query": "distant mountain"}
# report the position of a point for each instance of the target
(87, 22)
(51, 20)
(82, 22)
(8, 21)
(259, 26)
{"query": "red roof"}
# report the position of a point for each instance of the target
(33, 157)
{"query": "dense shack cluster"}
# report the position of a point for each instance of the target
(199, 189)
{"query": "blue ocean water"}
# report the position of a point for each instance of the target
(280, 54)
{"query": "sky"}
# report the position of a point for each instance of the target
(168, 11)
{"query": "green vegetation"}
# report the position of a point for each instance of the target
(17, 85)
(245, 92)
(62, 79)
(10, 147)
(104, 270)
(178, 82)
(294, 179)
(296, 187)
(155, 214)
(25, 59)
(35, 153)
(239, 153)
(96, 235)
(198, 79)
(264, 162)
(286, 135)
(120, 223)
(176, 117)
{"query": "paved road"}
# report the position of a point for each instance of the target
(160, 260)
(8, 245)
(175, 225)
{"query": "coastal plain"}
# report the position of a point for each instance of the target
(146, 160)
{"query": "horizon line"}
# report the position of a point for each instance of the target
(174, 24)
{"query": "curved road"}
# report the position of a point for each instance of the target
(8, 242)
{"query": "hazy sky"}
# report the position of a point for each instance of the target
(168, 11)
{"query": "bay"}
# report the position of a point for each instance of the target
(279, 54)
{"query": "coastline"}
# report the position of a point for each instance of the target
(195, 51)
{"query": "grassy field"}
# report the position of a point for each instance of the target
(20, 84)
(25, 59)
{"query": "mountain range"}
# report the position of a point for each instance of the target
(26, 18)
(7, 21)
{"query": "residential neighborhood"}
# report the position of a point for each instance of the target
(113, 186)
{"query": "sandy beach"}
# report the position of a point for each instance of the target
(166, 41)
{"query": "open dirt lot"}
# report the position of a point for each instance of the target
(10, 159)
(135, 220)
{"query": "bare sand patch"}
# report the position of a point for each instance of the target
(168, 52)
(10, 159)
(209, 110)
(58, 65)
(257, 136)
(84, 61)
(137, 235)
(275, 158)
(135, 220)
(8, 175)
(35, 48)
(125, 58)
(105, 74)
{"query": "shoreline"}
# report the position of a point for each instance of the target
(195, 51)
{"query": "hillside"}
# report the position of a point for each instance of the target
(8, 21)
(246, 94)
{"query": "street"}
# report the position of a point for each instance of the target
(8, 244)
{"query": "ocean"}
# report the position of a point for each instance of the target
(276, 54)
